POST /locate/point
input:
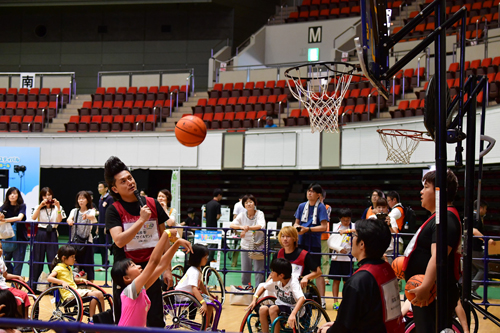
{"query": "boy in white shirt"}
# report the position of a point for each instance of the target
(289, 295)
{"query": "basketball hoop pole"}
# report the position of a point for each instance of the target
(441, 171)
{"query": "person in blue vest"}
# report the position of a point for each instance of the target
(370, 298)
(311, 219)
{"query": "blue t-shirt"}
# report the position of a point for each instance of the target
(312, 239)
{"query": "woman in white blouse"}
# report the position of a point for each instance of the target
(249, 222)
(83, 215)
(49, 210)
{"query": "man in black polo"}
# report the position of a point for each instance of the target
(212, 215)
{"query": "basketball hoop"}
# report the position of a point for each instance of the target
(312, 82)
(401, 143)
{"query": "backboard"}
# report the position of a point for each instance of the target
(373, 56)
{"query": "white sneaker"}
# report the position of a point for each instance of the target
(323, 305)
(101, 269)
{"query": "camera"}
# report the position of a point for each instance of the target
(50, 202)
(19, 168)
(381, 216)
(299, 229)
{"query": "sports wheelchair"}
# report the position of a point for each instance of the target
(24, 287)
(310, 316)
(50, 306)
(181, 311)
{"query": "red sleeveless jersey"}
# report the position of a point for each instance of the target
(389, 295)
(299, 261)
(141, 255)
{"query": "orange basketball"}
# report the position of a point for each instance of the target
(414, 282)
(190, 131)
(397, 266)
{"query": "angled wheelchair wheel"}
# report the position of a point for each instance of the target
(50, 306)
(311, 316)
(312, 292)
(181, 312)
(108, 299)
(178, 269)
(214, 284)
(251, 322)
(24, 287)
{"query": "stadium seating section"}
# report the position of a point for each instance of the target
(23, 110)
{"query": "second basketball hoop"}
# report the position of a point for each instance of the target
(321, 87)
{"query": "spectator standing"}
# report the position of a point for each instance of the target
(376, 194)
(192, 220)
(397, 216)
(477, 246)
(381, 212)
(249, 222)
(83, 215)
(125, 221)
(12, 211)
(165, 198)
(341, 264)
(49, 210)
(212, 215)
(311, 220)
(325, 259)
(105, 200)
(238, 207)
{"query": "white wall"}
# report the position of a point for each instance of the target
(290, 148)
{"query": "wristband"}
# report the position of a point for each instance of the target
(202, 301)
(168, 233)
(255, 296)
(310, 229)
(349, 231)
(58, 212)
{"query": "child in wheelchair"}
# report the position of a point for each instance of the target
(62, 274)
(22, 299)
(192, 281)
(289, 296)
(134, 281)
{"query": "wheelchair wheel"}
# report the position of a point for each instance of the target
(312, 292)
(176, 279)
(214, 284)
(108, 299)
(178, 269)
(311, 316)
(180, 310)
(474, 321)
(457, 328)
(251, 322)
(24, 287)
(50, 307)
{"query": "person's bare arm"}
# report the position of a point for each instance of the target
(310, 276)
(122, 238)
(167, 258)
(155, 258)
(218, 216)
(14, 219)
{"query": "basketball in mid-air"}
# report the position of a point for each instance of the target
(397, 266)
(416, 281)
(190, 131)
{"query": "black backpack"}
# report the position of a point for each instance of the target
(411, 219)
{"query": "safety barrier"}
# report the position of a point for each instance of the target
(271, 246)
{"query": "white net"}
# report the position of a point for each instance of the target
(400, 144)
(321, 88)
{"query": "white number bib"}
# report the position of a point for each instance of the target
(392, 301)
(146, 238)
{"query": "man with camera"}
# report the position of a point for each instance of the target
(311, 221)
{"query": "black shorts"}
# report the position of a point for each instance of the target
(340, 268)
(285, 310)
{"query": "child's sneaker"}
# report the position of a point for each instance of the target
(336, 305)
